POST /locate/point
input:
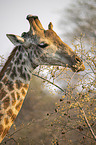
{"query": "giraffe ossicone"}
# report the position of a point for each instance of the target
(35, 47)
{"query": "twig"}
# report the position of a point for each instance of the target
(85, 117)
(49, 82)
(86, 120)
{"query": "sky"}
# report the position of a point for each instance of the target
(13, 18)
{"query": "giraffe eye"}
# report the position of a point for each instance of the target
(43, 45)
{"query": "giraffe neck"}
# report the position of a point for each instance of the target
(13, 88)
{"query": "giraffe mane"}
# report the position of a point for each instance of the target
(7, 62)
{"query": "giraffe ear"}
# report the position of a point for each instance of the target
(15, 39)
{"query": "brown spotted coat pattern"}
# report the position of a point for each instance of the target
(13, 88)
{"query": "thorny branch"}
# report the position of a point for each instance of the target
(49, 82)
(82, 110)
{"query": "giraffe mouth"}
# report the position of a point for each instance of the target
(77, 68)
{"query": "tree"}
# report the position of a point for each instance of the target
(79, 18)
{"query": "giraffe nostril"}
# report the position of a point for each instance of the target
(78, 59)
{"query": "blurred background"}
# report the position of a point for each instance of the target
(49, 115)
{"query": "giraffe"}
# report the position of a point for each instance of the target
(33, 48)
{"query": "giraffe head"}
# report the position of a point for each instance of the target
(45, 47)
